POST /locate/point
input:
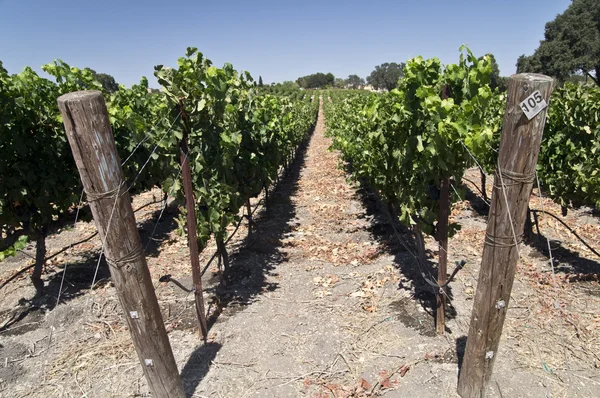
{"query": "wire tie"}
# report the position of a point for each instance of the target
(113, 193)
(517, 178)
(130, 257)
(495, 241)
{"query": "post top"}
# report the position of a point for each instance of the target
(531, 77)
(79, 96)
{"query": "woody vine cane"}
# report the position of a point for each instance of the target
(190, 207)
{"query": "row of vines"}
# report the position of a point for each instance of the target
(238, 138)
(442, 120)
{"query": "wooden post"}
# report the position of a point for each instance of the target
(190, 208)
(443, 254)
(513, 183)
(90, 136)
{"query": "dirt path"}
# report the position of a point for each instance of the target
(324, 302)
(323, 320)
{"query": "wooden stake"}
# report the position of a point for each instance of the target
(90, 136)
(442, 233)
(513, 183)
(190, 209)
(442, 230)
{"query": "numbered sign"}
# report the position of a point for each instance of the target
(533, 104)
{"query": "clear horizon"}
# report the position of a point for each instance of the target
(276, 40)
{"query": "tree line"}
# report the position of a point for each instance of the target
(570, 50)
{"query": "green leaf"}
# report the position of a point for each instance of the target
(420, 147)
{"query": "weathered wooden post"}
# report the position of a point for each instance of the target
(524, 119)
(90, 136)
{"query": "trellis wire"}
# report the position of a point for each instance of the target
(127, 190)
(83, 191)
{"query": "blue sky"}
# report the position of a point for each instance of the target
(280, 40)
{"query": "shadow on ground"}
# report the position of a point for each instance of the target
(75, 278)
(197, 366)
(402, 248)
(478, 204)
(254, 260)
(259, 253)
(30, 311)
(565, 260)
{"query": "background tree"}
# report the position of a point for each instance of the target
(528, 63)
(260, 82)
(355, 81)
(316, 80)
(571, 44)
(339, 83)
(108, 82)
(386, 76)
(289, 85)
(329, 79)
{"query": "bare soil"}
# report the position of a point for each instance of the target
(325, 301)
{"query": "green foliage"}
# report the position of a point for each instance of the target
(386, 76)
(317, 80)
(496, 81)
(139, 121)
(71, 79)
(569, 165)
(404, 142)
(571, 44)
(19, 245)
(237, 139)
(287, 89)
(133, 113)
(38, 179)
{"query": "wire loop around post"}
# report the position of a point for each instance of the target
(130, 257)
(113, 193)
(500, 241)
(512, 176)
